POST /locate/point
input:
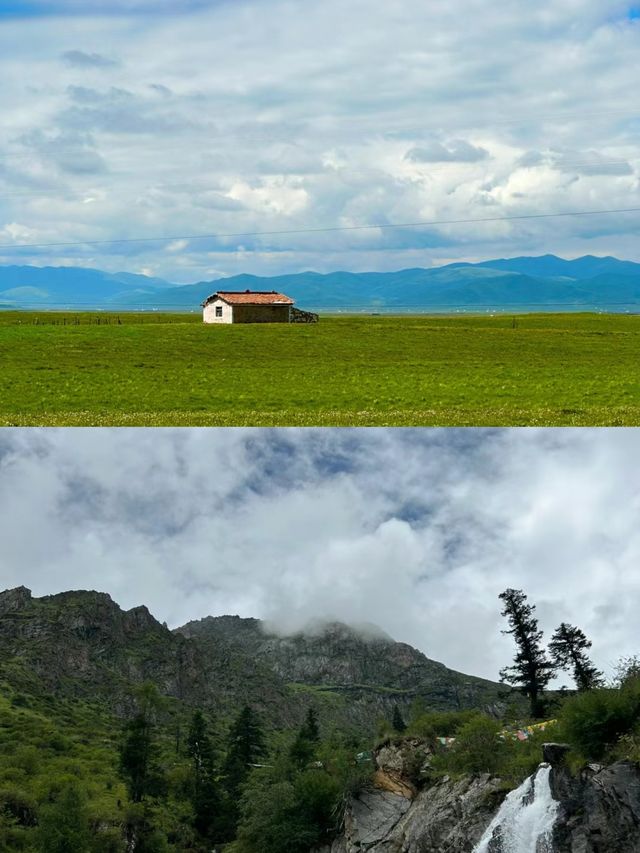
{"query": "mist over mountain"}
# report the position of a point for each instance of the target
(526, 283)
(82, 644)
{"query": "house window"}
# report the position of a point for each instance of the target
(218, 310)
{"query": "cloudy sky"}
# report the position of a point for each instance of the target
(168, 118)
(417, 531)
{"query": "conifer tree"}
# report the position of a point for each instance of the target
(207, 797)
(311, 728)
(246, 747)
(304, 746)
(397, 721)
(531, 670)
(138, 753)
(568, 651)
(135, 757)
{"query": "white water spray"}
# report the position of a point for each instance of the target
(525, 820)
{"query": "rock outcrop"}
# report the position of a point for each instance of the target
(598, 812)
(448, 816)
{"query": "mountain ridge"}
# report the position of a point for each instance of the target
(544, 282)
(81, 643)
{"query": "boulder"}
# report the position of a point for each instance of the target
(555, 753)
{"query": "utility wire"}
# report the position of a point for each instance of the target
(324, 230)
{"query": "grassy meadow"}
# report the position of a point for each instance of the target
(90, 369)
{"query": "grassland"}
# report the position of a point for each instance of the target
(162, 369)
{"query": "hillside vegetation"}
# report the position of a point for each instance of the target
(118, 735)
(140, 369)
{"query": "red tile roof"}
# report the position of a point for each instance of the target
(250, 297)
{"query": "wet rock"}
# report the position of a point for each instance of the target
(555, 753)
(601, 812)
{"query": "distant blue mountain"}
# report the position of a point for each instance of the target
(526, 283)
(62, 287)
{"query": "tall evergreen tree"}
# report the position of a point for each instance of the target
(207, 797)
(310, 727)
(397, 721)
(304, 746)
(246, 748)
(138, 754)
(568, 651)
(135, 757)
(531, 670)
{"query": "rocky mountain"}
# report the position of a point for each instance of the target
(554, 811)
(82, 644)
(525, 283)
(362, 663)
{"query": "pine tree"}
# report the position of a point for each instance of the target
(311, 728)
(531, 670)
(304, 746)
(567, 649)
(246, 747)
(135, 757)
(207, 797)
(397, 721)
(138, 754)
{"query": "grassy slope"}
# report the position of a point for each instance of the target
(170, 369)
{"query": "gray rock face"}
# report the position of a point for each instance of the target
(354, 662)
(448, 817)
(600, 811)
(14, 599)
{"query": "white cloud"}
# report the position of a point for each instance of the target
(415, 530)
(267, 115)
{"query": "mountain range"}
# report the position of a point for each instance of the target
(544, 283)
(81, 644)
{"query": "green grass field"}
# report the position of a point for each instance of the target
(162, 369)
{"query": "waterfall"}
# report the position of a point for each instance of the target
(525, 819)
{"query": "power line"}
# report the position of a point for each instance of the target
(324, 230)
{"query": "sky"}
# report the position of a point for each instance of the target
(158, 118)
(416, 531)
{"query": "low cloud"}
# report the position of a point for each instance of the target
(457, 151)
(80, 59)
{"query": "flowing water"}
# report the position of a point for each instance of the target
(525, 820)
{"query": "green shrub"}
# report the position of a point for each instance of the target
(439, 723)
(477, 748)
(64, 824)
(594, 721)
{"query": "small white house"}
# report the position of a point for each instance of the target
(248, 306)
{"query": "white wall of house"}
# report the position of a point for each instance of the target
(218, 312)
